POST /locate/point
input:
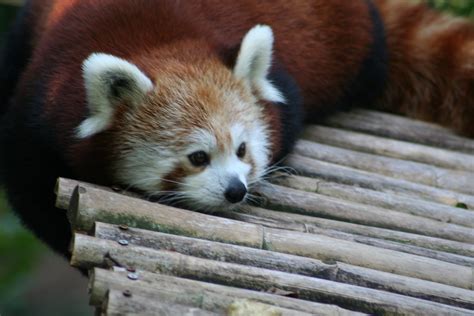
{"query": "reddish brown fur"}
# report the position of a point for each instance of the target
(431, 70)
(273, 118)
(171, 180)
(322, 44)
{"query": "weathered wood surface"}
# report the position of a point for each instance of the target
(204, 295)
(90, 252)
(456, 180)
(280, 220)
(323, 206)
(396, 202)
(337, 271)
(90, 203)
(118, 304)
(370, 224)
(346, 175)
(309, 224)
(401, 128)
(390, 148)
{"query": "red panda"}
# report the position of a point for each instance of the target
(200, 98)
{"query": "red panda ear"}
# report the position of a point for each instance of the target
(254, 61)
(108, 81)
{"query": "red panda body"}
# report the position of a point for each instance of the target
(331, 53)
(323, 57)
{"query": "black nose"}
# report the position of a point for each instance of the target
(236, 191)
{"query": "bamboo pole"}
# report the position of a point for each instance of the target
(332, 249)
(209, 296)
(328, 248)
(90, 251)
(312, 224)
(388, 147)
(65, 189)
(150, 304)
(396, 202)
(460, 181)
(98, 205)
(338, 272)
(247, 307)
(402, 128)
(287, 199)
(90, 204)
(216, 251)
(286, 223)
(332, 172)
(118, 304)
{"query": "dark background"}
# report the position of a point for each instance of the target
(33, 280)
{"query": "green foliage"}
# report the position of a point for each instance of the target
(19, 252)
(459, 7)
(22, 248)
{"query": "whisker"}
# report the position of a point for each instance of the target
(252, 198)
(133, 184)
(180, 183)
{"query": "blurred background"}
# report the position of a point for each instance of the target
(35, 281)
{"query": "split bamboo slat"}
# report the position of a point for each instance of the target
(373, 216)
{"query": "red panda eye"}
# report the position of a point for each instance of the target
(199, 158)
(242, 150)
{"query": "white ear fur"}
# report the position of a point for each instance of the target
(109, 80)
(254, 61)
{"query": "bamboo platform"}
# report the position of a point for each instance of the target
(375, 217)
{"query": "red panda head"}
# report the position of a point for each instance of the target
(196, 130)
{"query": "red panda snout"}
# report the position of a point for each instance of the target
(219, 167)
(236, 191)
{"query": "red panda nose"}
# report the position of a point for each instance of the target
(236, 191)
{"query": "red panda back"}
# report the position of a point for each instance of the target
(322, 44)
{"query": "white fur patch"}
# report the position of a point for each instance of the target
(145, 166)
(98, 70)
(237, 131)
(201, 139)
(254, 61)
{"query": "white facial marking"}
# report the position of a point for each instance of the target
(201, 139)
(100, 72)
(145, 166)
(254, 62)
